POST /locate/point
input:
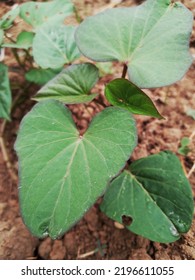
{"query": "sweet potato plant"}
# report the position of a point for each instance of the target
(63, 172)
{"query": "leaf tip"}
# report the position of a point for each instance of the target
(160, 117)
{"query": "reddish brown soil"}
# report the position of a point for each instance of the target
(96, 236)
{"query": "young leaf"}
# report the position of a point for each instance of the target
(54, 12)
(72, 85)
(5, 93)
(54, 46)
(7, 20)
(153, 39)
(41, 76)
(191, 113)
(153, 193)
(62, 173)
(184, 148)
(24, 41)
(123, 93)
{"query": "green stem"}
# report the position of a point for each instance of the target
(28, 58)
(78, 18)
(9, 38)
(21, 97)
(5, 153)
(15, 53)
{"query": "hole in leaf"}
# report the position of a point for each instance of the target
(27, 14)
(127, 220)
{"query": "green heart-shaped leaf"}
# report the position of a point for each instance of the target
(7, 20)
(62, 173)
(152, 39)
(156, 195)
(54, 46)
(72, 85)
(37, 14)
(123, 93)
(24, 41)
(5, 93)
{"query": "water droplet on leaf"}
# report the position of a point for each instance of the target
(174, 231)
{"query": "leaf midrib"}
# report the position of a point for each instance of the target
(148, 194)
(64, 180)
(53, 44)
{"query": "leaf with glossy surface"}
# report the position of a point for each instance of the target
(7, 20)
(72, 85)
(37, 14)
(122, 93)
(54, 46)
(156, 194)
(62, 173)
(5, 93)
(153, 39)
(41, 76)
(24, 41)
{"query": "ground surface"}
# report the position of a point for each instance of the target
(96, 236)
